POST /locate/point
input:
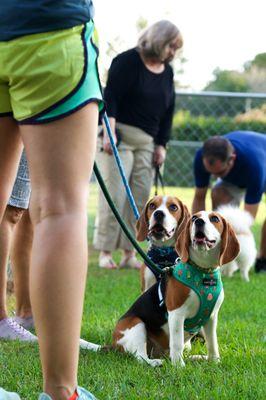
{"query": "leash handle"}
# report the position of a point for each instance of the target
(158, 178)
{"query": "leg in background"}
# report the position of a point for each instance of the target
(260, 265)
(11, 216)
(108, 231)
(219, 196)
(20, 260)
(140, 184)
(10, 152)
(60, 156)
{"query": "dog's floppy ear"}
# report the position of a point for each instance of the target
(229, 244)
(183, 242)
(185, 215)
(142, 224)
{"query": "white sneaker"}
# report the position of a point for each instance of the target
(83, 394)
(4, 395)
(106, 261)
(83, 344)
(26, 323)
(11, 330)
(130, 262)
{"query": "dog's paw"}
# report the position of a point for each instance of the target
(214, 359)
(178, 361)
(198, 357)
(154, 362)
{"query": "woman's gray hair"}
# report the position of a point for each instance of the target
(153, 40)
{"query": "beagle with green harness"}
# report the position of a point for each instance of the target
(188, 299)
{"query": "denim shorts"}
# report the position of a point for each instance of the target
(20, 196)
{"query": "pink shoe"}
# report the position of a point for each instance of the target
(11, 330)
(26, 323)
(106, 261)
(130, 262)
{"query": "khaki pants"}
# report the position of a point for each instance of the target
(136, 152)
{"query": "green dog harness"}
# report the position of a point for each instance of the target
(207, 285)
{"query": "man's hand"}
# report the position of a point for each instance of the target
(159, 155)
(107, 148)
(199, 199)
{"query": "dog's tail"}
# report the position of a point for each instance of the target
(240, 220)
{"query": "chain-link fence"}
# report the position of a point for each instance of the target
(201, 115)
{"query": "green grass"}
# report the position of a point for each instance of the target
(241, 334)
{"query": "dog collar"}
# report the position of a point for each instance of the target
(205, 270)
(163, 256)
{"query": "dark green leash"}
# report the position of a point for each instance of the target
(153, 267)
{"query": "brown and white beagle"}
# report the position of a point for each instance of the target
(162, 220)
(164, 313)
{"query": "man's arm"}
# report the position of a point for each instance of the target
(199, 199)
(252, 209)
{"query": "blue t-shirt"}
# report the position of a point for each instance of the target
(24, 17)
(249, 170)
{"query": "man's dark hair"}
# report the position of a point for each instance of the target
(217, 148)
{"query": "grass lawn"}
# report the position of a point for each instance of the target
(241, 334)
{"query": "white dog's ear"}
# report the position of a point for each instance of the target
(142, 224)
(183, 242)
(229, 245)
(183, 219)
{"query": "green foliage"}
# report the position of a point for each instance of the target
(259, 61)
(227, 81)
(201, 127)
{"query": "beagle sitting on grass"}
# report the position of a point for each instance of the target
(176, 307)
(162, 220)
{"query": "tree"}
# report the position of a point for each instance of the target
(227, 81)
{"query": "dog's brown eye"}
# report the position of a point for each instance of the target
(213, 218)
(152, 206)
(194, 218)
(173, 207)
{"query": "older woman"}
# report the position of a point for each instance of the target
(140, 103)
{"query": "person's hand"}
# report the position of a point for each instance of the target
(159, 155)
(107, 148)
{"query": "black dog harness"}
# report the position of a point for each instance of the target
(162, 256)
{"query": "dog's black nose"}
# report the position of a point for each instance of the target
(199, 222)
(158, 215)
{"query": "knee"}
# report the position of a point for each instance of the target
(57, 204)
(13, 214)
(220, 196)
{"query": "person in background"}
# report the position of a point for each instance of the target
(16, 241)
(238, 160)
(140, 99)
(50, 98)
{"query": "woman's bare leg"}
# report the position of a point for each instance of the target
(10, 218)
(10, 152)
(20, 255)
(60, 156)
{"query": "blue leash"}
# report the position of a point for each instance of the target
(120, 167)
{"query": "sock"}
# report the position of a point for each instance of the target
(74, 396)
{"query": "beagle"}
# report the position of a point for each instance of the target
(162, 219)
(174, 309)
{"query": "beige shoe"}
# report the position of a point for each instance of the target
(130, 262)
(106, 261)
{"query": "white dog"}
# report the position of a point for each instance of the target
(241, 222)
